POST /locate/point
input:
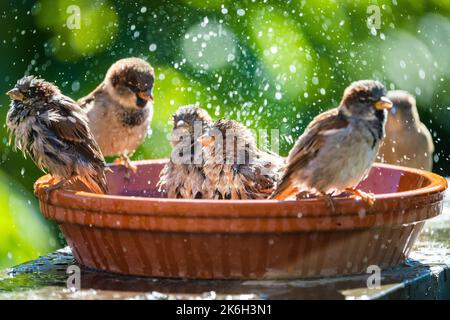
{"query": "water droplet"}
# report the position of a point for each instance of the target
(422, 74)
(240, 12)
(75, 86)
(152, 47)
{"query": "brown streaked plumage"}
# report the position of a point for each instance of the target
(234, 167)
(408, 142)
(52, 129)
(182, 176)
(339, 146)
(120, 109)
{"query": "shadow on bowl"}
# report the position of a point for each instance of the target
(135, 230)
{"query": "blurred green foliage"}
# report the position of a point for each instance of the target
(269, 64)
(23, 232)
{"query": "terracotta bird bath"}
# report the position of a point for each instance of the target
(137, 231)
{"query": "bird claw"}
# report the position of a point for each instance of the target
(51, 187)
(125, 161)
(368, 198)
(38, 185)
(303, 195)
(329, 202)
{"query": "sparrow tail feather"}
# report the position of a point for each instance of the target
(96, 185)
(283, 192)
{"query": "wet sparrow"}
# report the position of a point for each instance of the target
(339, 146)
(120, 109)
(182, 176)
(234, 167)
(408, 141)
(52, 129)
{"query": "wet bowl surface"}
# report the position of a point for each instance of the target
(136, 230)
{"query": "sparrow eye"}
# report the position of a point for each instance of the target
(134, 89)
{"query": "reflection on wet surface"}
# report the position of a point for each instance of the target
(425, 275)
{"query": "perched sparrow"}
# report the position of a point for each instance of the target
(339, 146)
(120, 109)
(182, 176)
(52, 129)
(408, 141)
(234, 167)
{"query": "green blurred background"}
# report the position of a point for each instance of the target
(270, 64)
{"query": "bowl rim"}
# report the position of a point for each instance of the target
(195, 207)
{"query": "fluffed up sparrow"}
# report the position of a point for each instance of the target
(120, 109)
(53, 130)
(339, 146)
(408, 141)
(183, 176)
(233, 165)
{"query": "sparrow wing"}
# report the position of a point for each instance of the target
(309, 144)
(258, 178)
(264, 183)
(307, 148)
(70, 124)
(83, 102)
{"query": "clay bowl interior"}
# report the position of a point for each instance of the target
(136, 230)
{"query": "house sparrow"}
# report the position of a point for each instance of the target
(182, 176)
(408, 141)
(53, 130)
(339, 146)
(120, 109)
(234, 167)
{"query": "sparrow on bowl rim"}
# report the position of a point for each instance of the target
(120, 109)
(338, 147)
(53, 130)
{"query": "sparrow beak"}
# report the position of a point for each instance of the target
(383, 103)
(146, 95)
(15, 94)
(206, 140)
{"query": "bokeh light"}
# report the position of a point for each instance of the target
(286, 53)
(209, 45)
(98, 27)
